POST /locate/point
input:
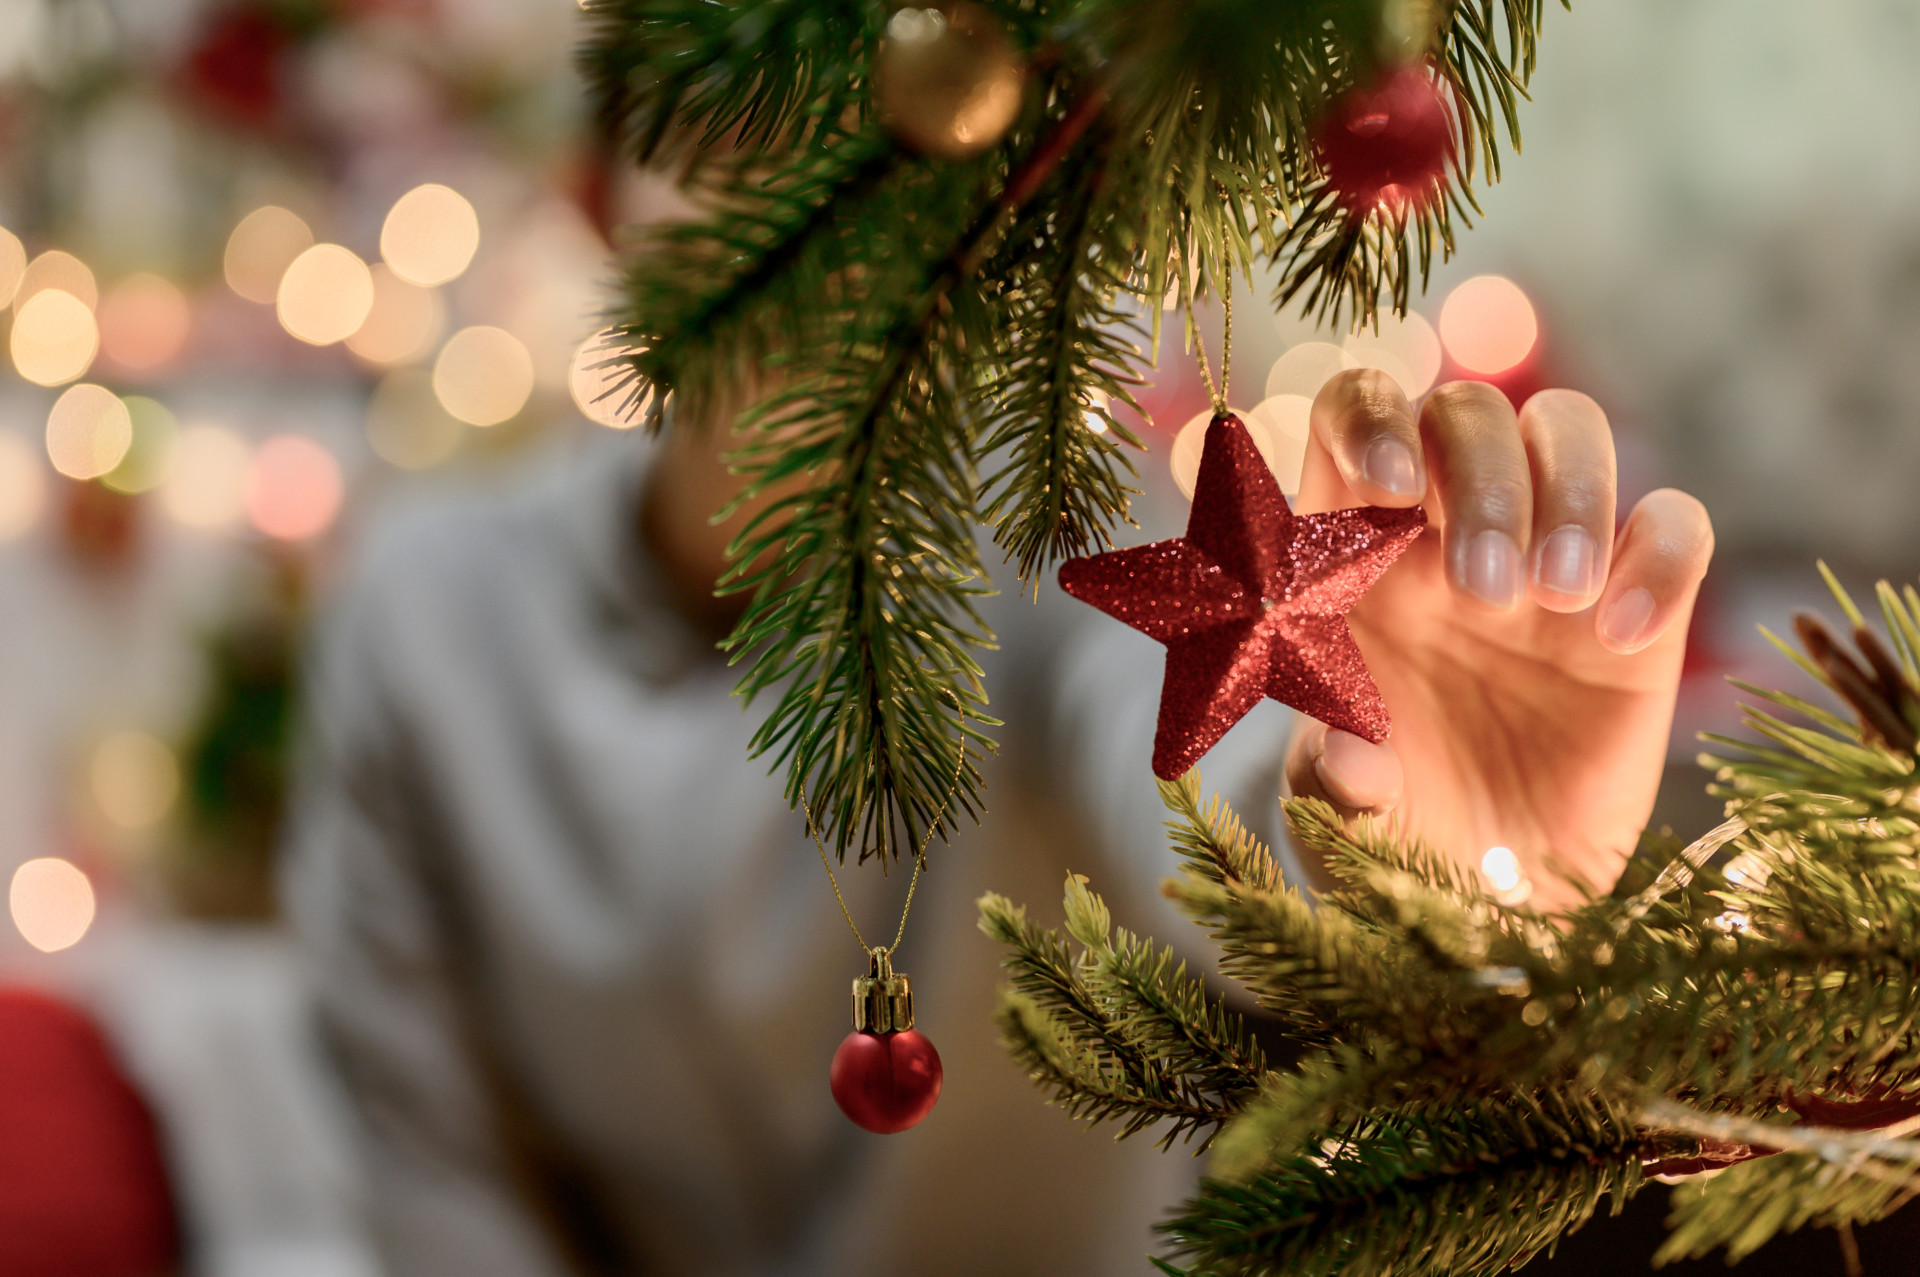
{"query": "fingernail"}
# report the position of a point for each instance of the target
(1389, 465)
(1626, 617)
(1566, 562)
(1491, 572)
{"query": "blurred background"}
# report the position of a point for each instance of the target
(273, 267)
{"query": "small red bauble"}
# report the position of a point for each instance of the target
(885, 1082)
(1389, 144)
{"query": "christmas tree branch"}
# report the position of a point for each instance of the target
(1118, 1036)
(1476, 1076)
(771, 74)
(1059, 489)
(1748, 1204)
(1159, 147)
(1088, 1087)
(1462, 1194)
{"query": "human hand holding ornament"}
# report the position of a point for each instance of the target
(1530, 655)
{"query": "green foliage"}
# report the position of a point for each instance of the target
(901, 324)
(1470, 1078)
(1474, 1190)
(1121, 1033)
(1746, 1205)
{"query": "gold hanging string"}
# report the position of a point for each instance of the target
(1216, 394)
(919, 857)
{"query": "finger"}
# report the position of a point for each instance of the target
(1353, 775)
(1658, 563)
(1366, 425)
(1485, 491)
(1570, 453)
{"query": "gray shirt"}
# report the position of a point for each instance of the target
(582, 972)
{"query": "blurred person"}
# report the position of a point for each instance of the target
(578, 966)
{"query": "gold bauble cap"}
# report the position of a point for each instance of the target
(882, 1001)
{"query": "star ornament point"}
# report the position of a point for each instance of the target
(1251, 603)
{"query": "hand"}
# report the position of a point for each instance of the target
(1528, 654)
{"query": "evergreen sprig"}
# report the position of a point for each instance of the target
(1468, 1079)
(904, 324)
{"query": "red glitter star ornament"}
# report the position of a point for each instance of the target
(1252, 602)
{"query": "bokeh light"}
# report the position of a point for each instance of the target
(52, 903)
(1406, 349)
(135, 779)
(597, 391)
(205, 486)
(55, 269)
(144, 322)
(1096, 417)
(483, 375)
(1504, 876)
(406, 424)
(13, 264)
(155, 433)
(261, 248)
(23, 486)
(1488, 325)
(405, 322)
(1184, 457)
(1281, 426)
(54, 338)
(293, 488)
(1306, 368)
(430, 235)
(325, 295)
(88, 431)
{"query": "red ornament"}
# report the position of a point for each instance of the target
(1389, 144)
(1251, 603)
(83, 1183)
(236, 66)
(886, 1082)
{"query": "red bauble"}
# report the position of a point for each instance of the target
(83, 1184)
(1251, 603)
(236, 66)
(885, 1082)
(1389, 144)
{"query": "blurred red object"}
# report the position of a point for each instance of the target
(1389, 143)
(83, 1187)
(235, 67)
(102, 527)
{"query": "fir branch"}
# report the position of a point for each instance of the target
(1160, 146)
(1086, 1086)
(862, 611)
(1747, 1205)
(1157, 1004)
(1462, 1194)
(770, 74)
(1123, 1035)
(709, 303)
(1212, 841)
(1059, 489)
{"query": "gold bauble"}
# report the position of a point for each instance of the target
(947, 80)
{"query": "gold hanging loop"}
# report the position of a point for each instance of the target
(882, 955)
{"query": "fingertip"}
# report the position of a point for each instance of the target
(1357, 773)
(1663, 555)
(1367, 425)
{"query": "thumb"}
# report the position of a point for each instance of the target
(1353, 775)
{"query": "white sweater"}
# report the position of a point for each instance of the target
(582, 973)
